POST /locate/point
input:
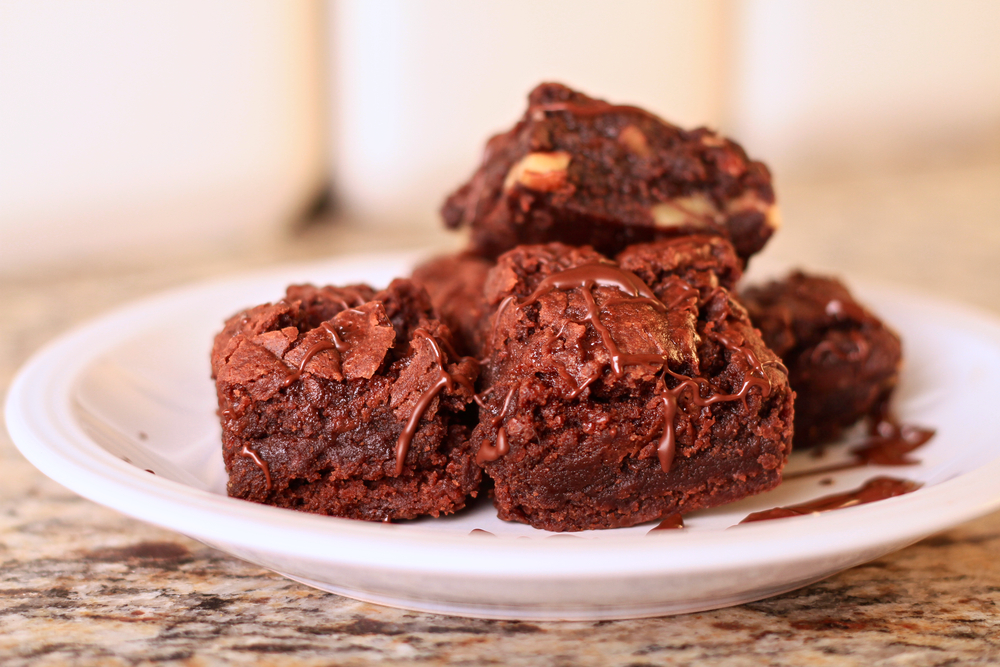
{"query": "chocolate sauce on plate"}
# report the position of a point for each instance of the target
(873, 490)
(672, 522)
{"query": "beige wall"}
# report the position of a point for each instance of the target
(853, 85)
(153, 128)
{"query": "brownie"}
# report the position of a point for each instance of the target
(581, 171)
(348, 402)
(610, 402)
(704, 262)
(843, 361)
(455, 285)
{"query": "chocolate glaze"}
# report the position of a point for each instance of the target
(670, 397)
(502, 446)
(261, 463)
(875, 489)
(672, 522)
(444, 379)
(335, 343)
(587, 276)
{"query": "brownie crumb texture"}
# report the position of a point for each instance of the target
(609, 401)
(348, 402)
(582, 171)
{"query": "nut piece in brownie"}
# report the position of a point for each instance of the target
(610, 403)
(347, 402)
(843, 362)
(581, 171)
(455, 285)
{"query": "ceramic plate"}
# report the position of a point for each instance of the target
(130, 393)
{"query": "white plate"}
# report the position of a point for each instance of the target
(131, 392)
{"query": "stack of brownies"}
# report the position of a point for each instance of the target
(586, 359)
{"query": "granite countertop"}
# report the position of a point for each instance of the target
(82, 585)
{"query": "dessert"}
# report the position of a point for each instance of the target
(455, 285)
(581, 171)
(609, 402)
(843, 361)
(348, 402)
(704, 262)
(612, 391)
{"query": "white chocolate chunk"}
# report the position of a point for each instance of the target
(772, 217)
(751, 201)
(713, 140)
(697, 210)
(544, 172)
(634, 140)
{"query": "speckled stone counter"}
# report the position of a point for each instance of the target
(82, 585)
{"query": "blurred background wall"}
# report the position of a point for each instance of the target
(144, 131)
(136, 131)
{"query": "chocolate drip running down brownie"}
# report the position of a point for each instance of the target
(581, 171)
(610, 402)
(843, 361)
(346, 402)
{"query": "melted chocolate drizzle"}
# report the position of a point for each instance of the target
(873, 490)
(335, 343)
(444, 379)
(261, 463)
(489, 452)
(587, 276)
(672, 522)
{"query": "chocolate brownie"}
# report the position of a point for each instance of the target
(581, 171)
(704, 262)
(348, 402)
(843, 361)
(455, 284)
(610, 403)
